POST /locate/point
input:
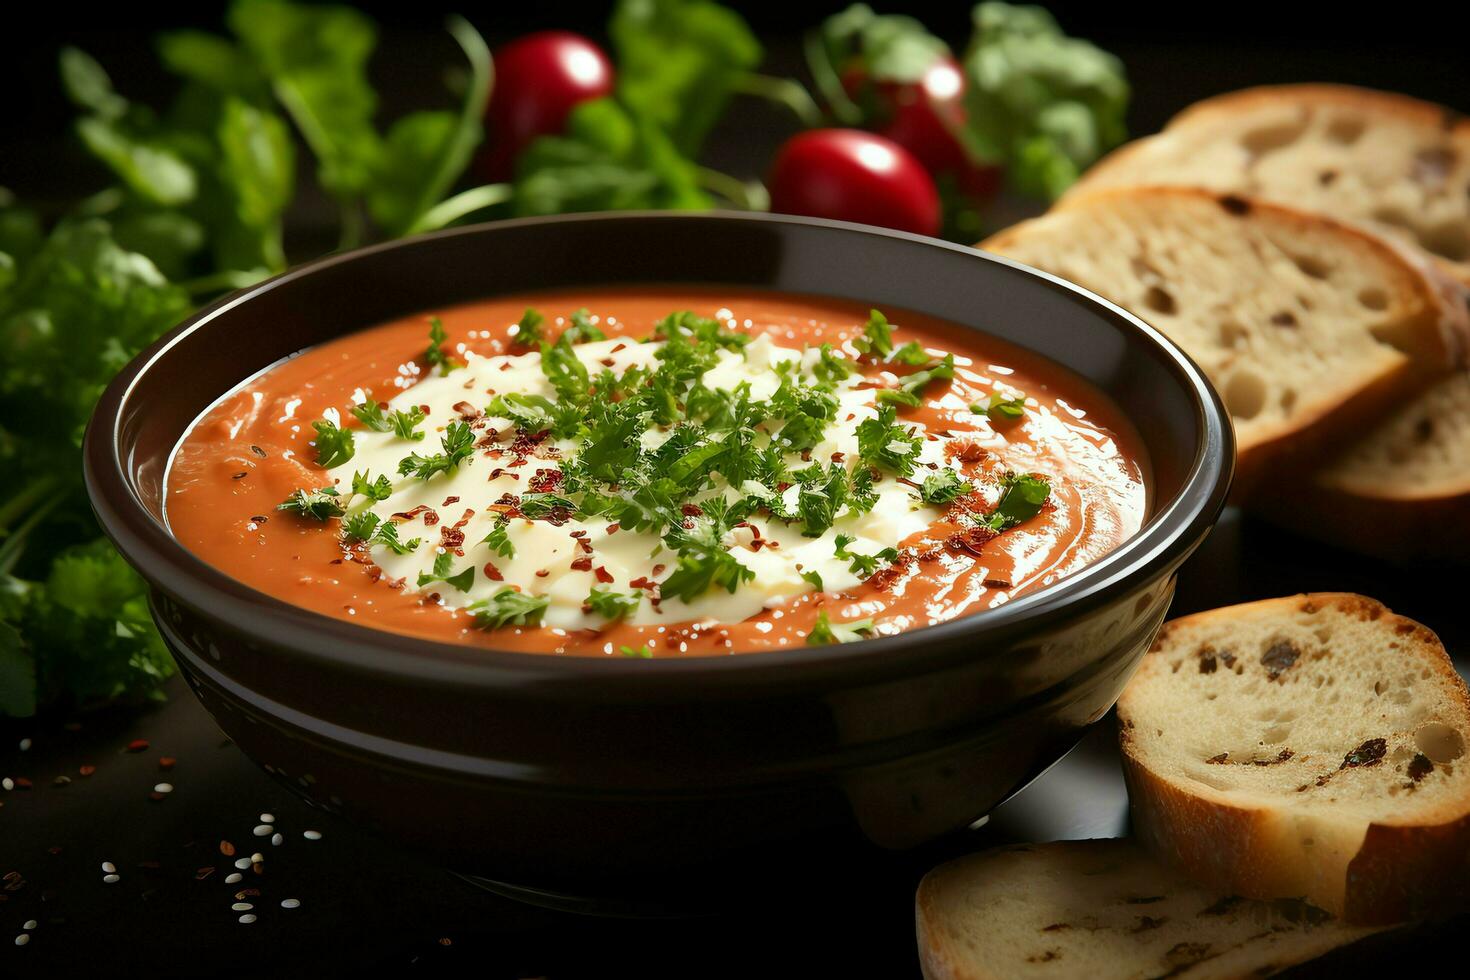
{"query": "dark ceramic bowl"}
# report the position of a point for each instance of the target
(628, 778)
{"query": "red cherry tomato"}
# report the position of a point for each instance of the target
(922, 117)
(852, 175)
(539, 79)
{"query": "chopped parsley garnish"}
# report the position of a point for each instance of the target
(461, 580)
(1021, 500)
(435, 355)
(582, 329)
(831, 366)
(370, 413)
(642, 652)
(885, 444)
(379, 490)
(400, 423)
(530, 413)
(566, 372)
(333, 444)
(877, 336)
(822, 494)
(508, 607)
(1000, 408)
(824, 631)
(613, 606)
(316, 504)
(528, 330)
(499, 540)
(405, 423)
(704, 564)
(369, 529)
(458, 443)
(944, 487)
(863, 566)
(911, 387)
(815, 578)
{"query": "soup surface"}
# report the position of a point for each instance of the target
(657, 472)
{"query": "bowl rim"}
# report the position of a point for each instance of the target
(1163, 541)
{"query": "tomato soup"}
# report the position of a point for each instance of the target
(657, 472)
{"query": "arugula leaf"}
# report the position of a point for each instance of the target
(824, 631)
(334, 444)
(1021, 500)
(1045, 104)
(458, 443)
(317, 504)
(679, 62)
(499, 539)
(461, 580)
(508, 607)
(944, 487)
(613, 606)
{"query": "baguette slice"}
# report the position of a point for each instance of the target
(1397, 164)
(1103, 909)
(1309, 328)
(1309, 747)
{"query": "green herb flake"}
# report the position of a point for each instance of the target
(508, 607)
(1001, 409)
(435, 355)
(612, 606)
(461, 580)
(528, 330)
(499, 539)
(317, 504)
(944, 487)
(1022, 499)
(824, 631)
(334, 444)
(458, 443)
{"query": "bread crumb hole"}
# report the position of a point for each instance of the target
(1160, 300)
(1379, 687)
(1439, 742)
(1245, 394)
(1259, 142)
(1345, 130)
(1288, 401)
(1373, 298)
(1232, 334)
(1312, 267)
(1450, 240)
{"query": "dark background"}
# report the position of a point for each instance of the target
(366, 906)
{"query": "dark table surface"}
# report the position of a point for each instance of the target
(366, 905)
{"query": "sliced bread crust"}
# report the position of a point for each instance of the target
(1308, 327)
(1308, 747)
(1393, 163)
(1103, 909)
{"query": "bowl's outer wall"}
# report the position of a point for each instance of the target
(580, 775)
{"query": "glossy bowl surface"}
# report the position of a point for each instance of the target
(629, 778)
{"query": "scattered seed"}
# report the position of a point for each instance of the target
(87, 770)
(61, 781)
(257, 858)
(291, 903)
(138, 745)
(247, 918)
(234, 877)
(108, 867)
(22, 939)
(112, 879)
(8, 783)
(245, 893)
(30, 924)
(267, 818)
(203, 873)
(25, 745)
(277, 840)
(167, 762)
(164, 788)
(241, 907)
(242, 863)
(262, 830)
(226, 848)
(312, 834)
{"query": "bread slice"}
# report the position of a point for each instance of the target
(1308, 328)
(1103, 909)
(1309, 747)
(1391, 162)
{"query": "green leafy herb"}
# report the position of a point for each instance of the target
(379, 489)
(400, 423)
(406, 423)
(435, 355)
(499, 539)
(877, 336)
(1021, 500)
(581, 329)
(528, 330)
(458, 443)
(863, 566)
(642, 652)
(911, 387)
(613, 605)
(885, 444)
(371, 415)
(508, 607)
(333, 444)
(1000, 408)
(317, 504)
(703, 564)
(815, 578)
(369, 529)
(944, 487)
(461, 580)
(824, 631)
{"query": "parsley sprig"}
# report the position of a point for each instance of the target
(458, 443)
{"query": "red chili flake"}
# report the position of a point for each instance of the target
(578, 534)
(603, 575)
(838, 457)
(659, 569)
(138, 745)
(613, 528)
(226, 848)
(493, 573)
(643, 582)
(408, 515)
(691, 510)
(449, 500)
(430, 518)
(997, 583)
(519, 461)
(542, 573)
(607, 362)
(87, 770)
(466, 411)
(806, 455)
(585, 545)
(258, 451)
(424, 409)
(500, 471)
(783, 486)
(582, 564)
(620, 346)
(546, 481)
